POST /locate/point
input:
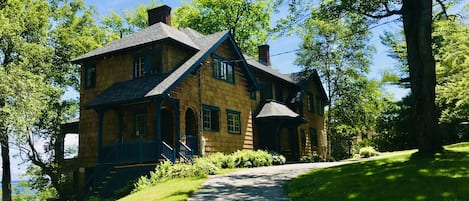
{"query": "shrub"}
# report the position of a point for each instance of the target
(366, 152)
(247, 159)
(221, 160)
(204, 167)
(312, 158)
(278, 159)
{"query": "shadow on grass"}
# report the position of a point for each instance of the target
(445, 176)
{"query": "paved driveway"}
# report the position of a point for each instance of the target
(264, 183)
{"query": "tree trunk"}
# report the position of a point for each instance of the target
(417, 19)
(6, 173)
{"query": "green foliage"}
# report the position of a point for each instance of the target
(444, 177)
(38, 39)
(278, 159)
(220, 160)
(167, 171)
(311, 159)
(394, 128)
(452, 69)
(248, 20)
(134, 19)
(367, 152)
(204, 166)
(338, 48)
(248, 159)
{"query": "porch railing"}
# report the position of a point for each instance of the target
(185, 152)
(167, 152)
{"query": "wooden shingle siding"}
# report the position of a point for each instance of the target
(314, 120)
(232, 96)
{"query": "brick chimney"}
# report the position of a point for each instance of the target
(159, 14)
(264, 55)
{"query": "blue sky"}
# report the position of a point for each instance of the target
(283, 63)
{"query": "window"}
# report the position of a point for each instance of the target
(90, 76)
(320, 106)
(252, 94)
(148, 63)
(139, 66)
(140, 123)
(279, 92)
(310, 102)
(266, 90)
(211, 118)
(223, 70)
(303, 140)
(314, 138)
(233, 121)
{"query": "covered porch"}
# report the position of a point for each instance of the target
(133, 128)
(277, 127)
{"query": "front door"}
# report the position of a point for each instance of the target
(192, 131)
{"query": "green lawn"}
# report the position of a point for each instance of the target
(172, 190)
(402, 176)
(178, 189)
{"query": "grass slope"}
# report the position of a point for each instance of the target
(172, 190)
(444, 177)
(178, 189)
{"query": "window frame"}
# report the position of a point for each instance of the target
(236, 123)
(144, 122)
(89, 82)
(139, 66)
(221, 68)
(150, 62)
(320, 106)
(310, 102)
(214, 123)
(313, 134)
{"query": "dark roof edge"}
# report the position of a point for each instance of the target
(80, 60)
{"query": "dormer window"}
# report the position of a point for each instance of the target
(223, 69)
(90, 76)
(139, 66)
(148, 63)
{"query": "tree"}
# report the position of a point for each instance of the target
(134, 20)
(339, 50)
(452, 70)
(22, 50)
(417, 23)
(36, 47)
(248, 20)
(448, 32)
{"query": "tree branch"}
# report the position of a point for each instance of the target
(443, 8)
(387, 14)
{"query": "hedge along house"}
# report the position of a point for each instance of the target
(163, 93)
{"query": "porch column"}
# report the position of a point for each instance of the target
(158, 102)
(177, 127)
(100, 113)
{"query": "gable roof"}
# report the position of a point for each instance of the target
(266, 69)
(302, 78)
(298, 79)
(149, 86)
(153, 33)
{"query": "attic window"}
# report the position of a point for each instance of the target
(139, 66)
(223, 69)
(147, 63)
(90, 76)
